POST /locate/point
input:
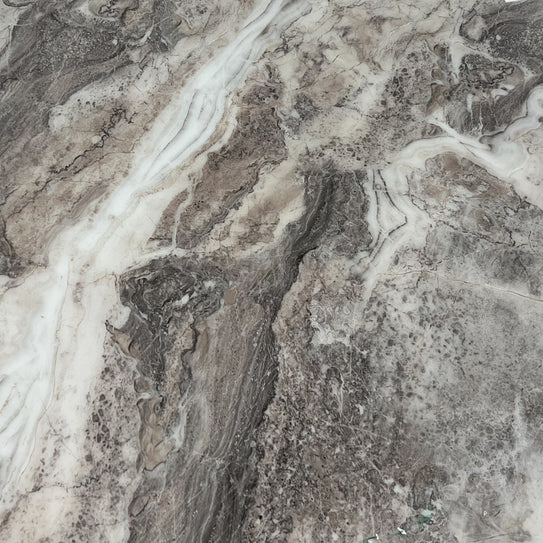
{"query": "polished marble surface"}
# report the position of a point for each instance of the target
(271, 271)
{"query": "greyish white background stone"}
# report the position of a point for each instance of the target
(271, 271)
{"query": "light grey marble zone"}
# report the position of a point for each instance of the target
(271, 271)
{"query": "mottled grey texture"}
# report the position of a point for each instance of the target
(321, 341)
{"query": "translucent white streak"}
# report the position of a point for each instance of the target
(52, 325)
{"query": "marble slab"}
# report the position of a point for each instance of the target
(271, 271)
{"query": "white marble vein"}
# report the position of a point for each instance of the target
(51, 352)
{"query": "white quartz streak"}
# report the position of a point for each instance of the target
(52, 324)
(395, 222)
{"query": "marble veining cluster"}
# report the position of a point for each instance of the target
(271, 271)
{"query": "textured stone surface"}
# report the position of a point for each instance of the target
(271, 271)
